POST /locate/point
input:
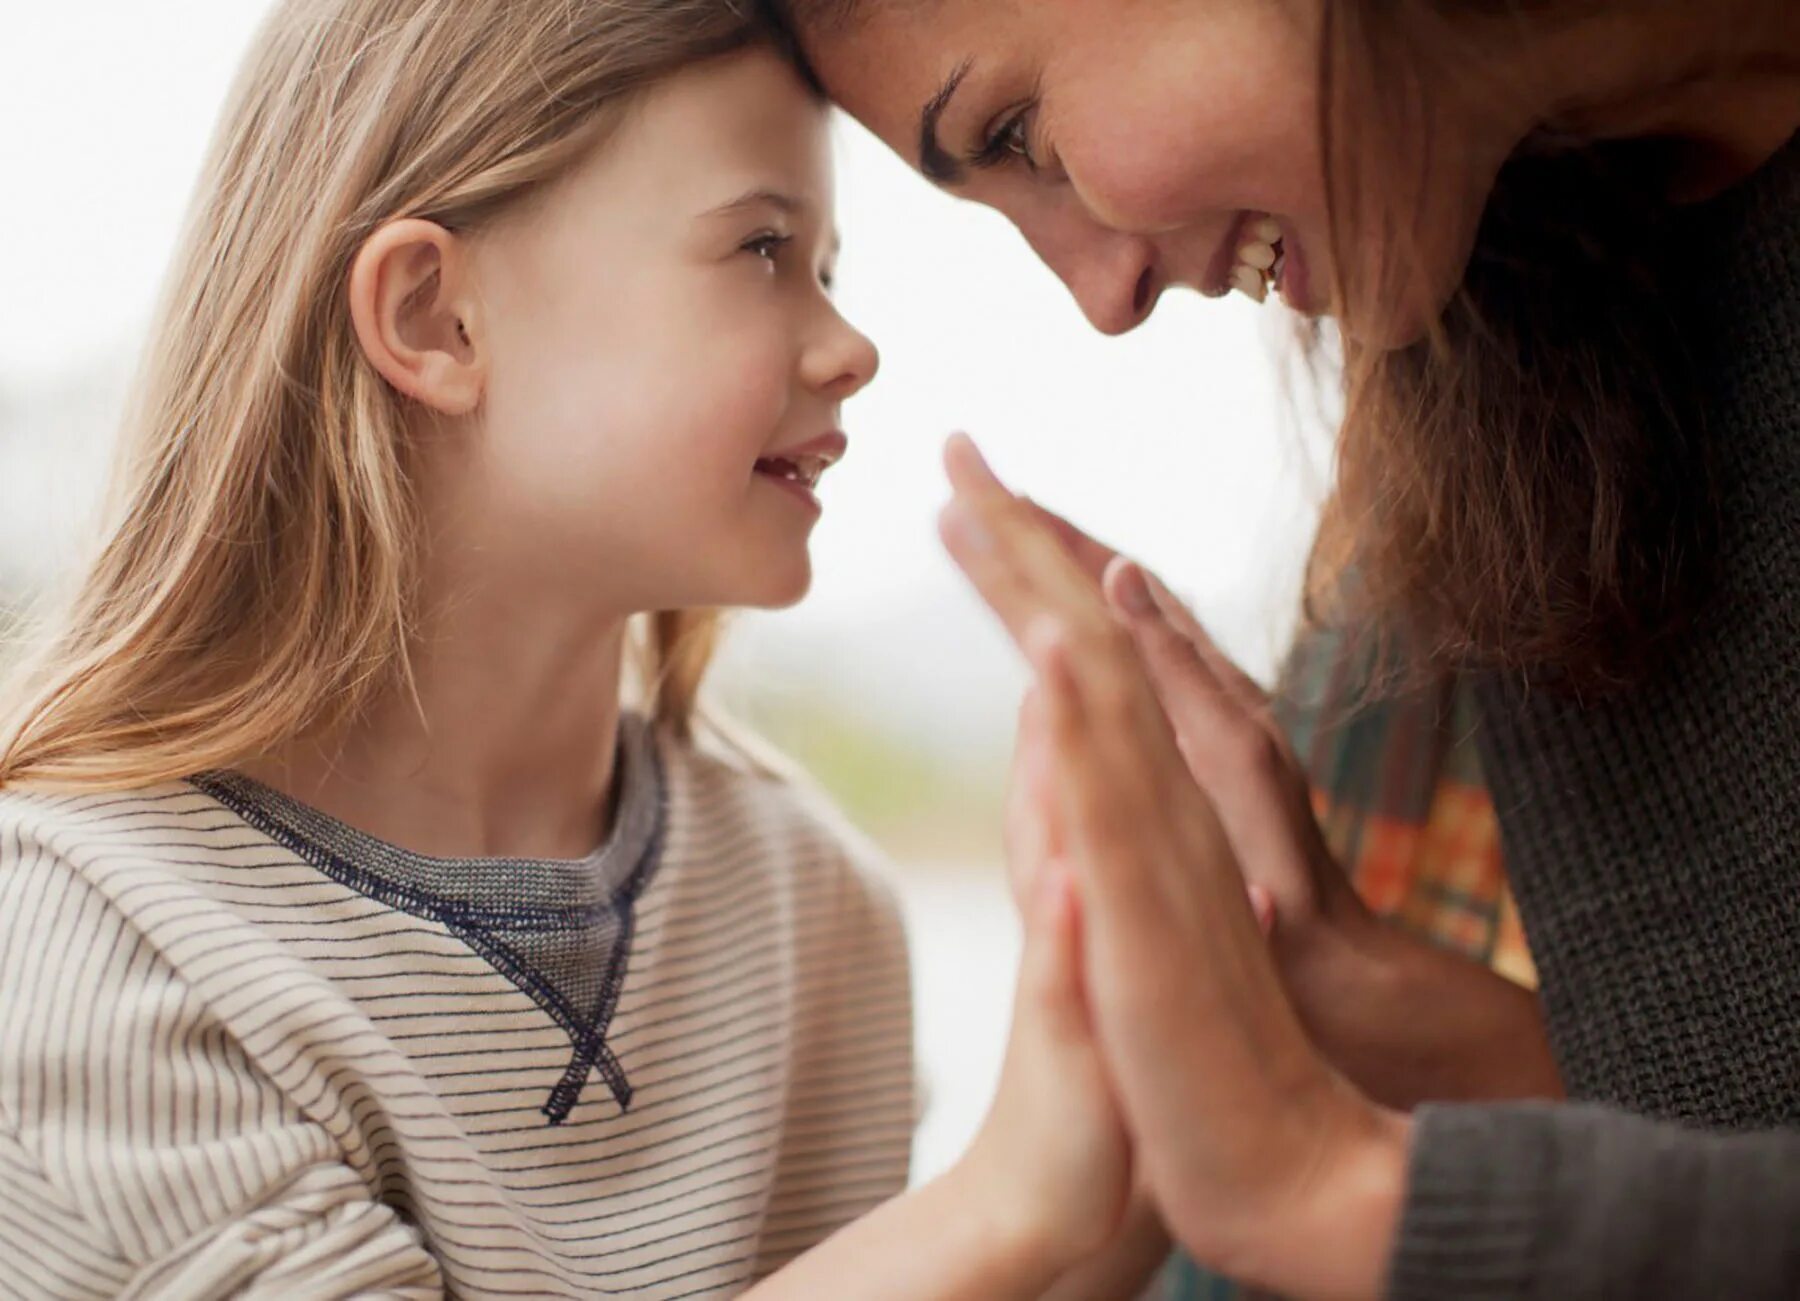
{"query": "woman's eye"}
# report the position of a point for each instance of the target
(1010, 140)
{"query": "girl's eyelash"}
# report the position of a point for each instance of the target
(769, 243)
(766, 245)
(1010, 139)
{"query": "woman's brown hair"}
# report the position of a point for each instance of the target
(255, 579)
(1525, 485)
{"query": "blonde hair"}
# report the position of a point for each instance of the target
(256, 569)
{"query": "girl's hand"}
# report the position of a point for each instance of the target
(1053, 1147)
(1250, 1143)
(1051, 1166)
(1046, 1182)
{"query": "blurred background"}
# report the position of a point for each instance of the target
(1189, 443)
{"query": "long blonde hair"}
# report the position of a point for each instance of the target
(256, 569)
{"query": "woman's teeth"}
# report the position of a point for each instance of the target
(1259, 259)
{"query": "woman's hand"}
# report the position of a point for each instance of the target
(1248, 1140)
(1404, 1020)
(1231, 742)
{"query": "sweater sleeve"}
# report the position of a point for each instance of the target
(141, 1152)
(1572, 1201)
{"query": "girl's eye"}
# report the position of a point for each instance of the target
(1010, 140)
(766, 245)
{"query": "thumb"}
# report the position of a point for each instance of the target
(1262, 903)
(1050, 986)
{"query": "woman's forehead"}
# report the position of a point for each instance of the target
(898, 65)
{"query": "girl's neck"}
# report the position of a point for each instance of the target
(508, 749)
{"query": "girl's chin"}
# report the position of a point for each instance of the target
(781, 582)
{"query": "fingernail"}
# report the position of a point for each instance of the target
(1134, 592)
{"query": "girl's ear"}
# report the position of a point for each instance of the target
(413, 303)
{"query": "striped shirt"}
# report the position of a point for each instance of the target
(246, 1049)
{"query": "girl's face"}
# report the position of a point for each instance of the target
(1137, 144)
(663, 357)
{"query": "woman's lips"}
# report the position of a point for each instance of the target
(1293, 284)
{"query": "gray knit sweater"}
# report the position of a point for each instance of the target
(1653, 843)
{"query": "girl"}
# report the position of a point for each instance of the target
(370, 922)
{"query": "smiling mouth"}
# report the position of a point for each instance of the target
(802, 470)
(1259, 260)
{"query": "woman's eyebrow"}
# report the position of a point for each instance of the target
(937, 163)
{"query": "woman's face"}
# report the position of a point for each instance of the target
(1137, 144)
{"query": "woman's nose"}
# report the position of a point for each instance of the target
(842, 362)
(1113, 275)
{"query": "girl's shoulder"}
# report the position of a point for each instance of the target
(732, 784)
(121, 858)
(85, 827)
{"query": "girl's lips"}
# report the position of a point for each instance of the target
(798, 468)
(798, 490)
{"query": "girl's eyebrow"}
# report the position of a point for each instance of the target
(776, 199)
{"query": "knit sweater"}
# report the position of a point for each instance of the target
(1653, 842)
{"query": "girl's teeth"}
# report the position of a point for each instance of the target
(1268, 230)
(805, 471)
(1260, 256)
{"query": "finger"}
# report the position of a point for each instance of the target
(1134, 591)
(1262, 903)
(1099, 803)
(1035, 580)
(1210, 699)
(1050, 971)
(969, 470)
(1036, 773)
(1019, 572)
(1216, 736)
(1090, 555)
(1185, 681)
(1148, 844)
(1018, 564)
(1244, 688)
(1031, 838)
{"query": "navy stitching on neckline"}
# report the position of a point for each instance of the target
(475, 926)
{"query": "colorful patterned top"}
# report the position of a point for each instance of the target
(1398, 788)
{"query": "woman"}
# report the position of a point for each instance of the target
(1560, 243)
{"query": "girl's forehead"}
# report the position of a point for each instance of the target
(713, 136)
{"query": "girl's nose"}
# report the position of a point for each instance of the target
(843, 362)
